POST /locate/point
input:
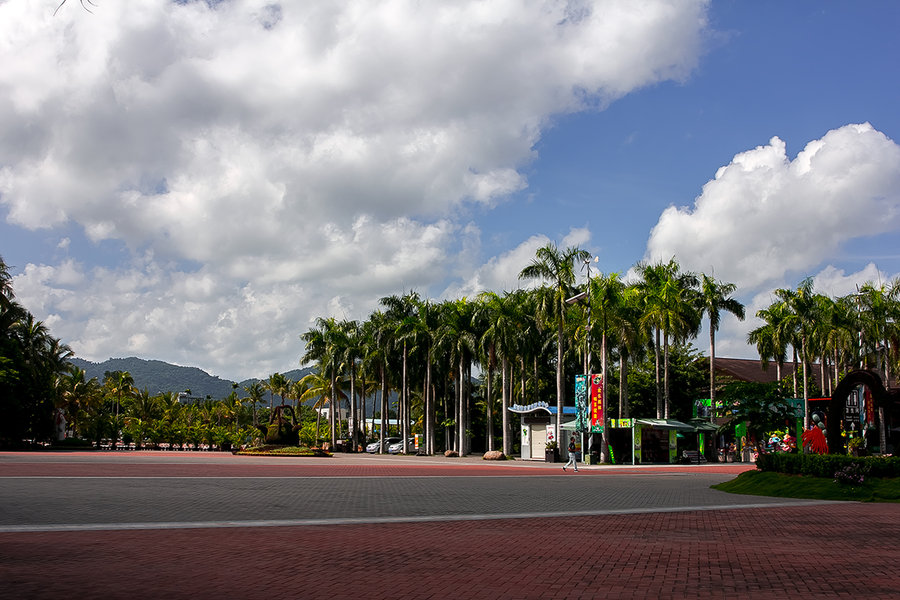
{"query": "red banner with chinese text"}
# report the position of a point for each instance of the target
(596, 403)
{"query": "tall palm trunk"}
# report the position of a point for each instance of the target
(507, 445)
(467, 438)
(461, 416)
(332, 416)
(805, 388)
(604, 445)
(523, 383)
(560, 389)
(794, 374)
(384, 410)
(404, 401)
(712, 372)
(666, 371)
(659, 407)
(449, 440)
(354, 415)
(489, 414)
(429, 407)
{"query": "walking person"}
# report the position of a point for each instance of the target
(572, 455)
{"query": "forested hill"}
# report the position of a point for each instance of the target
(159, 377)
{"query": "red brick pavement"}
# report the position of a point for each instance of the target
(823, 551)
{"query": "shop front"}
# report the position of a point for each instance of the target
(539, 429)
(656, 440)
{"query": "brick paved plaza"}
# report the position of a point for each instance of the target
(204, 525)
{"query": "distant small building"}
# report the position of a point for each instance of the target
(538, 427)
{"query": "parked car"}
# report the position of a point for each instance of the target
(397, 447)
(373, 447)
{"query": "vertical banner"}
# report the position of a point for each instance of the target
(597, 403)
(581, 403)
(636, 449)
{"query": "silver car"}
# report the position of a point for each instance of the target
(397, 447)
(373, 447)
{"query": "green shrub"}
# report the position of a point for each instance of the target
(826, 465)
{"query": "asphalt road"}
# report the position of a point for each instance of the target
(322, 493)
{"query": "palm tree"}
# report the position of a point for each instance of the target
(298, 388)
(400, 310)
(559, 269)
(497, 323)
(275, 385)
(841, 338)
(119, 384)
(255, 391)
(457, 336)
(6, 290)
(771, 338)
(351, 350)
(668, 295)
(78, 395)
(800, 305)
(378, 340)
(633, 340)
(319, 386)
(713, 299)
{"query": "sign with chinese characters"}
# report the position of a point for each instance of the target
(597, 403)
(851, 409)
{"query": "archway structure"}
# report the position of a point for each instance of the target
(881, 396)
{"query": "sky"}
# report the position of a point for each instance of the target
(197, 182)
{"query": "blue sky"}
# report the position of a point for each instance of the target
(196, 184)
(788, 69)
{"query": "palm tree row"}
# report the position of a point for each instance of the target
(30, 361)
(423, 352)
(116, 410)
(838, 334)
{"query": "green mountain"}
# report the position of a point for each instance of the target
(159, 377)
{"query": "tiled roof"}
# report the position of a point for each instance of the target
(745, 369)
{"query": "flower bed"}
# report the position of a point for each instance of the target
(273, 450)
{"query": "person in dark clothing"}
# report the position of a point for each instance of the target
(572, 455)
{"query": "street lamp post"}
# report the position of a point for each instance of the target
(586, 295)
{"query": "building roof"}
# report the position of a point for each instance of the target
(746, 369)
(540, 407)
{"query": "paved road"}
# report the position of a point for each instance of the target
(197, 525)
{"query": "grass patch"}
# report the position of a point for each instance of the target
(780, 485)
(272, 450)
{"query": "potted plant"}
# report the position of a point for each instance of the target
(854, 446)
(551, 452)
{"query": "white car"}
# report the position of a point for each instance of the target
(373, 447)
(397, 447)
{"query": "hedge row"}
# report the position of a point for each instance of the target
(825, 465)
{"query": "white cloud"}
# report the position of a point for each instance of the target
(500, 273)
(300, 158)
(766, 221)
(764, 216)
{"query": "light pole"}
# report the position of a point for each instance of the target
(587, 361)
